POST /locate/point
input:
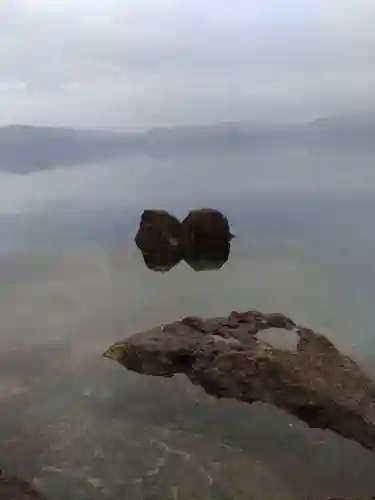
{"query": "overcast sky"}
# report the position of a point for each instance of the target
(127, 64)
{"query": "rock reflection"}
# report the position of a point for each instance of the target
(202, 240)
(206, 256)
(162, 260)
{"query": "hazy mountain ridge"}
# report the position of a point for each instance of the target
(26, 149)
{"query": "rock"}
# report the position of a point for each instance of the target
(12, 488)
(158, 230)
(316, 383)
(202, 240)
(205, 224)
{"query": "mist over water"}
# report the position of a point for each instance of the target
(72, 282)
(276, 191)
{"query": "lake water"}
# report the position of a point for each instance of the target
(80, 426)
(83, 427)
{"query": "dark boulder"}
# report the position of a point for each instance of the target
(205, 224)
(158, 230)
(202, 239)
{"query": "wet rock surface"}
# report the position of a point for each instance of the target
(316, 383)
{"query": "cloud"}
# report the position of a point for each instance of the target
(141, 63)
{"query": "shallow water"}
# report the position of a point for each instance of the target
(78, 425)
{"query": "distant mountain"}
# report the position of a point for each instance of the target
(26, 149)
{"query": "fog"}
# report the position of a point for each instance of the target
(194, 179)
(103, 201)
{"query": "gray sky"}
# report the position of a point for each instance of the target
(133, 64)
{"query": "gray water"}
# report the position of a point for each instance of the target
(81, 426)
(72, 282)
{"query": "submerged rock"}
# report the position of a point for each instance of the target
(317, 383)
(12, 488)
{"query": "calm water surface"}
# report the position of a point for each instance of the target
(80, 426)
